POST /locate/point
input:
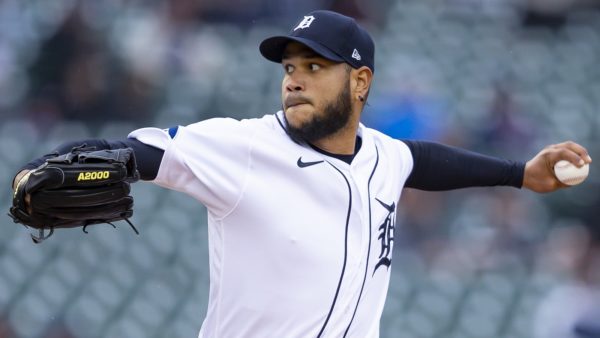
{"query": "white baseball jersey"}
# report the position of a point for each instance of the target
(300, 243)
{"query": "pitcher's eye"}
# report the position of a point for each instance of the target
(288, 68)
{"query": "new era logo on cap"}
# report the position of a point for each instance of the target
(332, 35)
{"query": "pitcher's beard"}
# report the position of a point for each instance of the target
(336, 116)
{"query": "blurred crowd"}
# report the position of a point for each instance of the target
(175, 62)
(116, 60)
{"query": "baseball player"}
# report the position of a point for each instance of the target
(302, 203)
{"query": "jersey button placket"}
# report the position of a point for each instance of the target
(362, 195)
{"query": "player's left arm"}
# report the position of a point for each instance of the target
(439, 167)
(148, 158)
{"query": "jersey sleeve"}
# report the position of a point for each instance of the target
(405, 163)
(208, 160)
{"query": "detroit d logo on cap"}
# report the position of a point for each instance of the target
(305, 23)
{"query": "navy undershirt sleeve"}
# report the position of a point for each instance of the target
(440, 167)
(147, 157)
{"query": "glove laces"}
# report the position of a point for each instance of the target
(42, 235)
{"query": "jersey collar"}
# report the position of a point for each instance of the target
(361, 154)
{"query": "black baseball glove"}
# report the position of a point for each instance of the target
(77, 189)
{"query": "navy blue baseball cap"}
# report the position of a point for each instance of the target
(332, 35)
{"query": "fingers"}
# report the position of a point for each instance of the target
(570, 151)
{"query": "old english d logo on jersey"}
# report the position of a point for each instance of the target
(386, 235)
(305, 23)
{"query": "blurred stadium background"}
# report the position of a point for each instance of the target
(503, 77)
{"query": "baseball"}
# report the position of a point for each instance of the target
(569, 174)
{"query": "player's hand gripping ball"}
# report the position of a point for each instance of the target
(569, 174)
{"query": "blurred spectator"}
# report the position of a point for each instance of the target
(517, 224)
(553, 13)
(58, 330)
(588, 326)
(408, 111)
(68, 79)
(5, 330)
(565, 312)
(549, 13)
(73, 78)
(422, 229)
(507, 132)
(373, 12)
(248, 12)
